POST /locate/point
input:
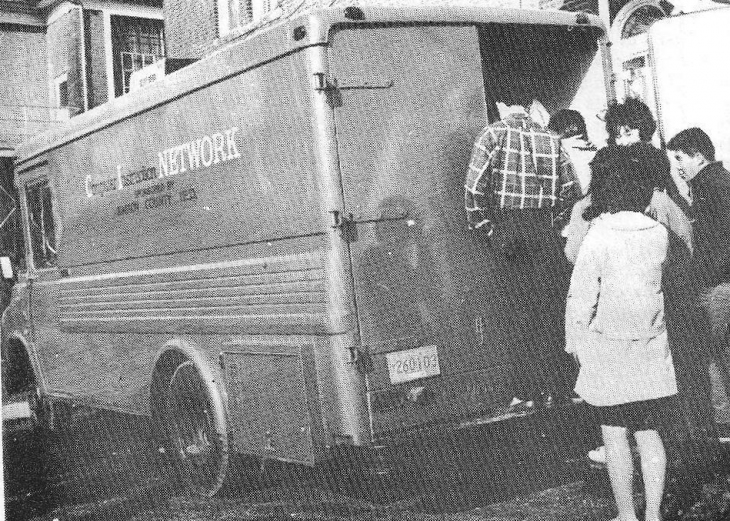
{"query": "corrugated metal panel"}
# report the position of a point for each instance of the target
(264, 296)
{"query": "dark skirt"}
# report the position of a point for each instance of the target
(644, 415)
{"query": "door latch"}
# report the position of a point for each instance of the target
(322, 82)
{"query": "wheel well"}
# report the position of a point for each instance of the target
(164, 370)
(18, 373)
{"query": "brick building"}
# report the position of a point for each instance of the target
(195, 27)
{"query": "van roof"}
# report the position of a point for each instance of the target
(238, 54)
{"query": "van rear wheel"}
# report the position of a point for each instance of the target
(196, 443)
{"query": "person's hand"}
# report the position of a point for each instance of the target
(651, 212)
(484, 229)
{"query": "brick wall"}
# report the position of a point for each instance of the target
(95, 58)
(190, 25)
(24, 103)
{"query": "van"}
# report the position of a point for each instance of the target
(266, 252)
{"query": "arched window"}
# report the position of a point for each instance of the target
(639, 21)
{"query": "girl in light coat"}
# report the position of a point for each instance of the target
(615, 328)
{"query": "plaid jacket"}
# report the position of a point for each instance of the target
(516, 163)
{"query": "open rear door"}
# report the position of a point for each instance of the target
(409, 101)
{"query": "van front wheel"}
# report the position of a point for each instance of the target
(196, 442)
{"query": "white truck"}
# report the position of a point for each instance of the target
(689, 58)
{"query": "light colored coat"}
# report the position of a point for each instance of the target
(615, 312)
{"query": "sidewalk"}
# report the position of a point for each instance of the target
(592, 500)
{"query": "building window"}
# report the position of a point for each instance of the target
(136, 43)
(640, 20)
(239, 13)
(635, 78)
(61, 83)
(42, 227)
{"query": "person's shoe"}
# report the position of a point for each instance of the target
(520, 406)
(598, 455)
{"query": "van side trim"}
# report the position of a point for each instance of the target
(274, 295)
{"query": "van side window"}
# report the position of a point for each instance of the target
(42, 227)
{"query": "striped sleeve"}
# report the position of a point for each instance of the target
(478, 190)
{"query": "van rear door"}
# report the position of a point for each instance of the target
(409, 101)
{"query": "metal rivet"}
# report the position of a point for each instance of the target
(299, 32)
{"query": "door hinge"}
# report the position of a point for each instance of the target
(361, 359)
(322, 82)
(345, 224)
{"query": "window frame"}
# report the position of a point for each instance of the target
(236, 14)
(119, 32)
(57, 82)
(28, 184)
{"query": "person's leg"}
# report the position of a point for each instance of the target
(722, 359)
(620, 470)
(510, 274)
(653, 469)
(556, 370)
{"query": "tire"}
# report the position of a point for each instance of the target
(20, 384)
(193, 438)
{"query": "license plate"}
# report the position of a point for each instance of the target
(412, 364)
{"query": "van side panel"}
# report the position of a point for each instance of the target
(269, 295)
(235, 247)
(231, 163)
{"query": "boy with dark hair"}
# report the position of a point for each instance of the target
(709, 184)
(568, 123)
(693, 141)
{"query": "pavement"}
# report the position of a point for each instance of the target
(531, 466)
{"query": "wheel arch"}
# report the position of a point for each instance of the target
(168, 358)
(174, 355)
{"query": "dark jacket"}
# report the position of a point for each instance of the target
(711, 212)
